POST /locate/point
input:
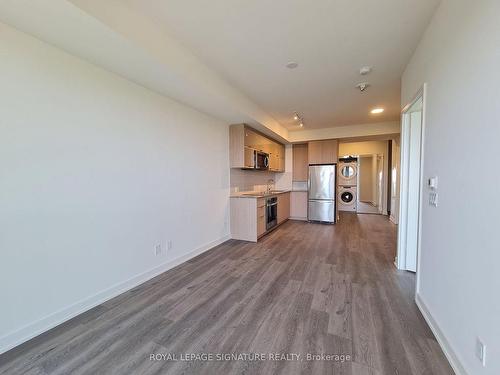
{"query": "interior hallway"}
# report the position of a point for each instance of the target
(303, 289)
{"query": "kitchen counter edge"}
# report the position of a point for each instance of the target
(259, 196)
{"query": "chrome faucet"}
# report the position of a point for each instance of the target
(270, 184)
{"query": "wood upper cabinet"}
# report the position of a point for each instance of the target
(283, 207)
(277, 157)
(240, 155)
(281, 157)
(243, 141)
(323, 152)
(300, 162)
(274, 163)
(281, 164)
(252, 139)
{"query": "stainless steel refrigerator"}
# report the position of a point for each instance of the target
(321, 193)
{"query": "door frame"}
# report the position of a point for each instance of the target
(404, 174)
(385, 181)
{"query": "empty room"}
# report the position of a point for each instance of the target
(249, 187)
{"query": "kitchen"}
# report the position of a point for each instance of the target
(269, 182)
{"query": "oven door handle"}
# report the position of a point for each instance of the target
(272, 204)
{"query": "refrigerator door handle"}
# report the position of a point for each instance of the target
(308, 182)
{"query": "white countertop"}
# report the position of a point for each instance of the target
(257, 194)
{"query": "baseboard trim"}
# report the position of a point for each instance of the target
(440, 337)
(15, 338)
(298, 218)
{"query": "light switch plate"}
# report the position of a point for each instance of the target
(433, 199)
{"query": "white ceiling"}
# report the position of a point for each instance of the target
(249, 42)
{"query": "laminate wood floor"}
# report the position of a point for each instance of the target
(304, 288)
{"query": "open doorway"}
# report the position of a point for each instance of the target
(364, 158)
(370, 184)
(412, 130)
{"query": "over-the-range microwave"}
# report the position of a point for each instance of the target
(256, 159)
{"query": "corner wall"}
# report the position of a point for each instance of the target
(95, 171)
(459, 59)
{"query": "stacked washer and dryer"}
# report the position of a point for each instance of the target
(348, 184)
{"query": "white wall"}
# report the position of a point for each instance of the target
(94, 171)
(459, 58)
(113, 36)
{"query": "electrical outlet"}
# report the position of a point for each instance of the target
(433, 198)
(169, 245)
(157, 249)
(481, 351)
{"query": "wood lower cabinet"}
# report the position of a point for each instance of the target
(248, 216)
(323, 152)
(283, 207)
(261, 217)
(298, 205)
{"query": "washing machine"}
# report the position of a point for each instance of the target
(347, 198)
(348, 172)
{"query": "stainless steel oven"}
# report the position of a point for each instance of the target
(261, 160)
(271, 212)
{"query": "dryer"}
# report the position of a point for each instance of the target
(347, 198)
(348, 172)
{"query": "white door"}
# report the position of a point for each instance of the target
(415, 130)
(380, 184)
(411, 165)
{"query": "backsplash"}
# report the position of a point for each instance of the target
(248, 180)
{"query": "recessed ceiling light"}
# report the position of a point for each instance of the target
(292, 65)
(377, 110)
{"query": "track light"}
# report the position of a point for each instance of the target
(299, 118)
